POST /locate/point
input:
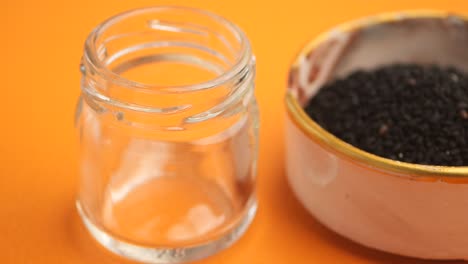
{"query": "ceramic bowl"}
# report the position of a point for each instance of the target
(408, 209)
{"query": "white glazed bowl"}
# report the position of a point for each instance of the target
(407, 209)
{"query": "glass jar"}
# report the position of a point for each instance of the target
(167, 123)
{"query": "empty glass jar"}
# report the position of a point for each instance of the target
(167, 123)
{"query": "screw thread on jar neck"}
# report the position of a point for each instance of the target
(174, 63)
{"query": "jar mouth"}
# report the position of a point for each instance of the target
(242, 55)
(296, 97)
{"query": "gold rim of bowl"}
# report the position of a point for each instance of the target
(326, 139)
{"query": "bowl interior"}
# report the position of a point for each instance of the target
(370, 43)
(421, 37)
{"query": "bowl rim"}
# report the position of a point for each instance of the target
(315, 132)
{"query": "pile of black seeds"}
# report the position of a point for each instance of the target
(405, 112)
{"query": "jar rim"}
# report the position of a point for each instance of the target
(242, 60)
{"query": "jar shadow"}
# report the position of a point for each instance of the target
(298, 215)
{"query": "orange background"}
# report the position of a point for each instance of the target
(41, 46)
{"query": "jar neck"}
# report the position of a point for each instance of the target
(174, 67)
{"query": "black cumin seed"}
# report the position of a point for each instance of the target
(406, 112)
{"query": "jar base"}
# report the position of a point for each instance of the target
(155, 255)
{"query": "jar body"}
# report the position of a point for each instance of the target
(163, 192)
(166, 175)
